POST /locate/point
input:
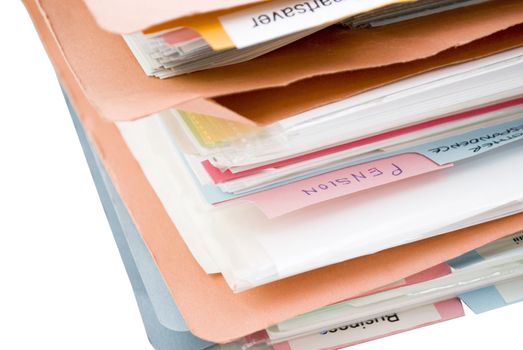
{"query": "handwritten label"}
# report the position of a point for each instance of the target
(489, 140)
(357, 177)
(339, 183)
(473, 143)
(280, 18)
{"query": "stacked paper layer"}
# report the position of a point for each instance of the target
(320, 186)
(181, 47)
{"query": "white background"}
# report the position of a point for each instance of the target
(62, 283)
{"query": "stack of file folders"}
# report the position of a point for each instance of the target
(301, 175)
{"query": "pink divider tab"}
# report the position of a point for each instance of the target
(282, 346)
(450, 309)
(440, 270)
(180, 35)
(297, 195)
(257, 337)
(219, 176)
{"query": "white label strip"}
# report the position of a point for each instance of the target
(375, 327)
(279, 18)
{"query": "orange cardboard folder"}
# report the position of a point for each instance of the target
(105, 83)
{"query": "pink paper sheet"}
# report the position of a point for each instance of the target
(180, 35)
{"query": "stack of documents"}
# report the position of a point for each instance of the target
(227, 37)
(310, 185)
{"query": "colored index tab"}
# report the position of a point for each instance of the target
(212, 31)
(211, 132)
(473, 143)
(285, 199)
(207, 25)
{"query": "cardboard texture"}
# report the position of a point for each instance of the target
(89, 63)
(116, 86)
